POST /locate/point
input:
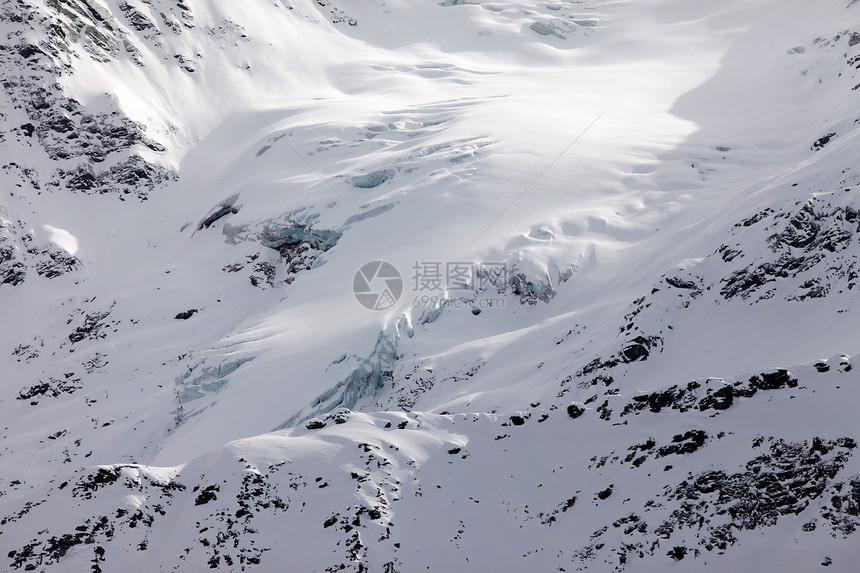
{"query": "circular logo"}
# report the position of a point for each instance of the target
(377, 285)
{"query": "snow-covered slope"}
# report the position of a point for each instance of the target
(621, 335)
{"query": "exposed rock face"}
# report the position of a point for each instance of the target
(19, 251)
(226, 208)
(781, 482)
(101, 152)
(822, 233)
(442, 436)
(666, 515)
(12, 268)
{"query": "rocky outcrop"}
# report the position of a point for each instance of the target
(95, 152)
(822, 234)
(12, 268)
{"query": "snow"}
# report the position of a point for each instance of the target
(62, 238)
(594, 149)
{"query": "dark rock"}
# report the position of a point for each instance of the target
(677, 553)
(13, 274)
(83, 180)
(95, 481)
(750, 221)
(228, 207)
(568, 504)
(93, 324)
(802, 229)
(681, 283)
(185, 315)
(819, 446)
(206, 495)
(138, 21)
(60, 124)
(745, 281)
(773, 380)
(781, 482)
(575, 410)
(222, 212)
(12, 269)
(656, 401)
(822, 141)
(57, 263)
(635, 351)
(28, 50)
(57, 547)
(721, 399)
(685, 443)
(845, 517)
(639, 348)
(53, 388)
(847, 443)
(728, 254)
